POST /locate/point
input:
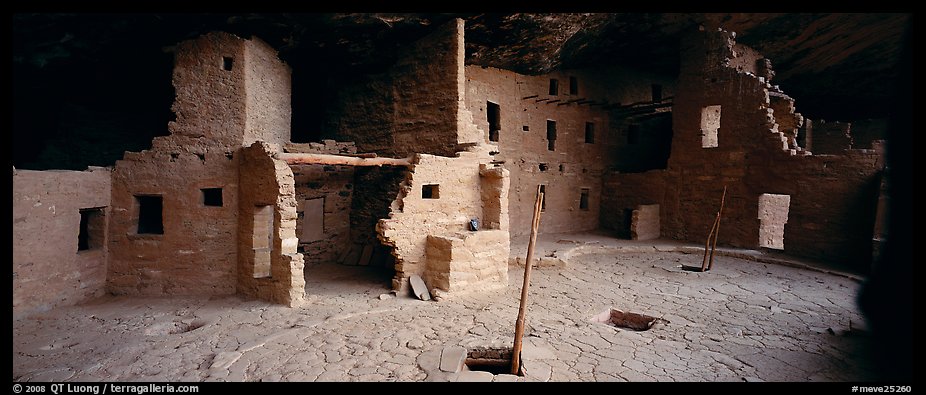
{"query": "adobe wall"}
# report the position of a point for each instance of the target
(427, 229)
(268, 182)
(412, 108)
(623, 192)
(323, 226)
(832, 197)
(338, 207)
(218, 108)
(525, 102)
(375, 189)
(428, 91)
(48, 268)
(268, 88)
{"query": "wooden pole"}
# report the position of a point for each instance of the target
(723, 197)
(707, 245)
(522, 311)
(326, 159)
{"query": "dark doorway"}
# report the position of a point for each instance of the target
(494, 116)
(551, 135)
(150, 217)
(628, 220)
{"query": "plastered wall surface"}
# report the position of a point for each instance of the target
(580, 156)
(48, 268)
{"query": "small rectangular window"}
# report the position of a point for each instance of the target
(573, 86)
(589, 133)
(543, 202)
(583, 199)
(92, 229)
(212, 197)
(543, 167)
(551, 135)
(227, 63)
(526, 128)
(430, 191)
(554, 87)
(150, 215)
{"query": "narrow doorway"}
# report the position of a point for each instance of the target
(494, 117)
(551, 135)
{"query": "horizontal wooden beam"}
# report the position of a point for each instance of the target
(326, 159)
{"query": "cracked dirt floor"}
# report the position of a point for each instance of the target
(744, 320)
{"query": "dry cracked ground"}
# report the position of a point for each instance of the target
(744, 320)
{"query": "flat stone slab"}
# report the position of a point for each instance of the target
(224, 360)
(419, 288)
(451, 359)
(475, 376)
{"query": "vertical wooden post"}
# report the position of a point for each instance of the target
(717, 231)
(707, 245)
(522, 311)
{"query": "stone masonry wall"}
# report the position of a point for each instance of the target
(195, 254)
(48, 268)
(644, 224)
(454, 197)
(623, 192)
(333, 185)
(226, 93)
(323, 227)
(412, 108)
(428, 91)
(268, 85)
(375, 190)
(269, 182)
(832, 198)
(355, 199)
(429, 220)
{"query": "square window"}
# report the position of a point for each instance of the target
(430, 191)
(212, 197)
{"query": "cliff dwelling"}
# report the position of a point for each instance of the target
(440, 197)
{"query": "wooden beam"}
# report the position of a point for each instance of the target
(326, 159)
